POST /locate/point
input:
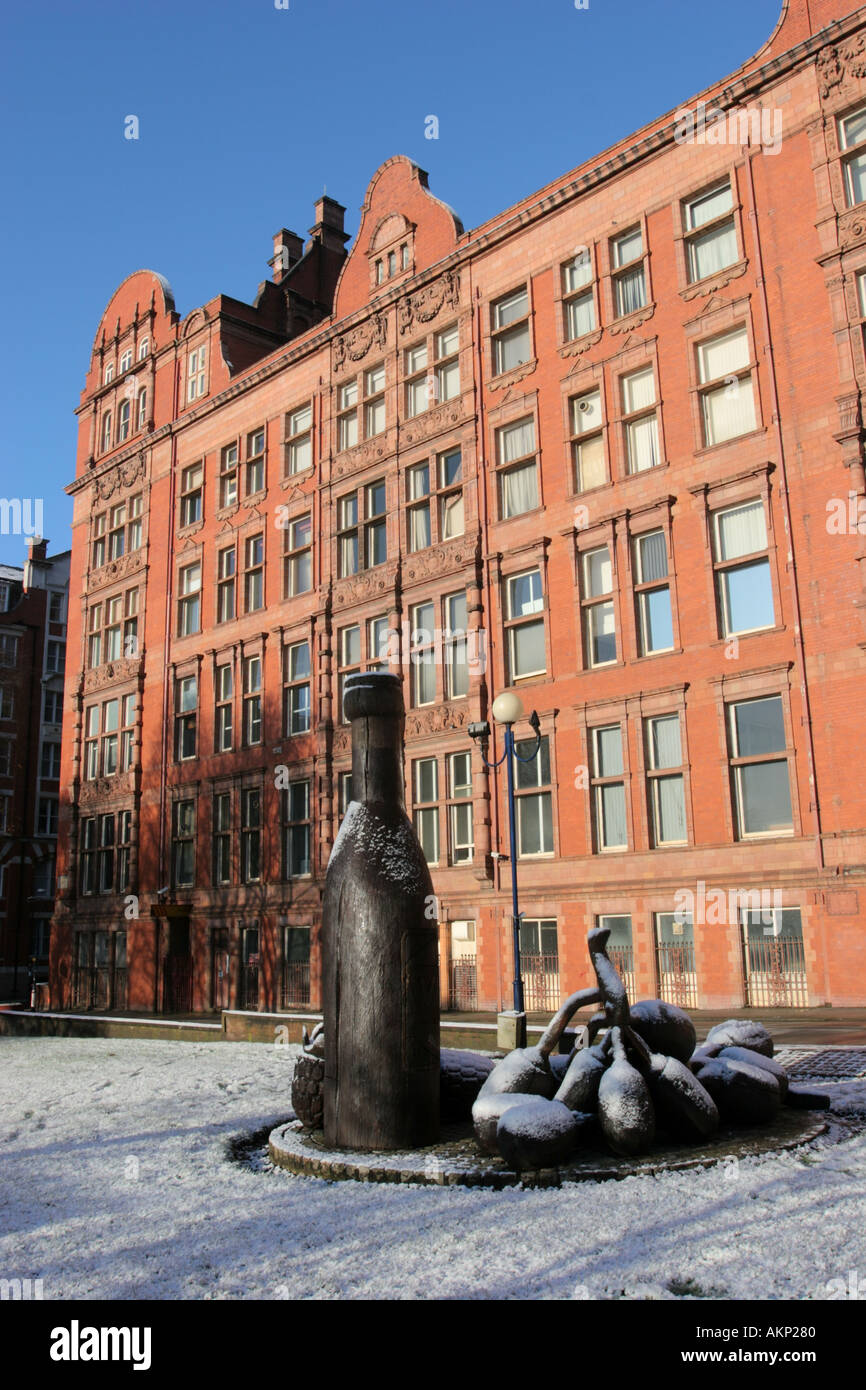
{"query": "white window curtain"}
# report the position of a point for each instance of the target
(519, 490)
(448, 379)
(665, 744)
(638, 390)
(517, 441)
(628, 247)
(723, 356)
(643, 444)
(614, 832)
(729, 411)
(589, 464)
(608, 751)
(452, 516)
(578, 272)
(597, 572)
(741, 531)
(708, 207)
(670, 810)
(630, 291)
(419, 528)
(581, 316)
(527, 649)
(712, 252)
(512, 348)
(653, 557)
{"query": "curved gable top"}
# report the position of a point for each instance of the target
(397, 195)
(140, 292)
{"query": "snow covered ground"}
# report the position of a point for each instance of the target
(114, 1183)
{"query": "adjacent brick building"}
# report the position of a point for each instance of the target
(605, 449)
(33, 603)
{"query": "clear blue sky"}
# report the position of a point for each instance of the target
(247, 112)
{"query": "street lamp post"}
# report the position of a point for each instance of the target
(507, 709)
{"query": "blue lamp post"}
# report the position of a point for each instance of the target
(507, 709)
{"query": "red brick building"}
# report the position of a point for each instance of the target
(33, 602)
(605, 449)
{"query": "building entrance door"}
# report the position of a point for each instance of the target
(177, 969)
(250, 968)
(220, 978)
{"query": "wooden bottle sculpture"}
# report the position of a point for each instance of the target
(379, 945)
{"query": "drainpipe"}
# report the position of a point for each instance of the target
(481, 476)
(166, 677)
(786, 508)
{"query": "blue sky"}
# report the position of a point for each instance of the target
(247, 112)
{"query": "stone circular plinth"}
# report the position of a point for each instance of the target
(456, 1162)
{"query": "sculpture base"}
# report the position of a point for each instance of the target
(456, 1162)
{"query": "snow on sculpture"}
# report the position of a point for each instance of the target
(645, 1072)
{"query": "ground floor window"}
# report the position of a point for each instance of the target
(675, 959)
(774, 966)
(539, 960)
(463, 989)
(620, 948)
(295, 991)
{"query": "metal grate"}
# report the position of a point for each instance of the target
(540, 982)
(832, 1064)
(296, 984)
(249, 986)
(775, 973)
(622, 959)
(464, 984)
(678, 980)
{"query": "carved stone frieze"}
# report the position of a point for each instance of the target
(364, 585)
(581, 345)
(355, 344)
(501, 383)
(631, 321)
(715, 282)
(441, 417)
(112, 673)
(852, 228)
(435, 720)
(425, 304)
(342, 740)
(369, 451)
(438, 559)
(123, 475)
(106, 788)
(120, 568)
(845, 63)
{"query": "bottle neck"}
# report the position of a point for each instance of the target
(377, 759)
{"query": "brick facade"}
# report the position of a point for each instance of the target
(701, 302)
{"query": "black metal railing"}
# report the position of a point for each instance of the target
(249, 986)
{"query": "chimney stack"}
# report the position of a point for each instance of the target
(288, 250)
(329, 224)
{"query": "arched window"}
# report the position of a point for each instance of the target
(106, 431)
(143, 349)
(109, 373)
(123, 420)
(142, 408)
(126, 360)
